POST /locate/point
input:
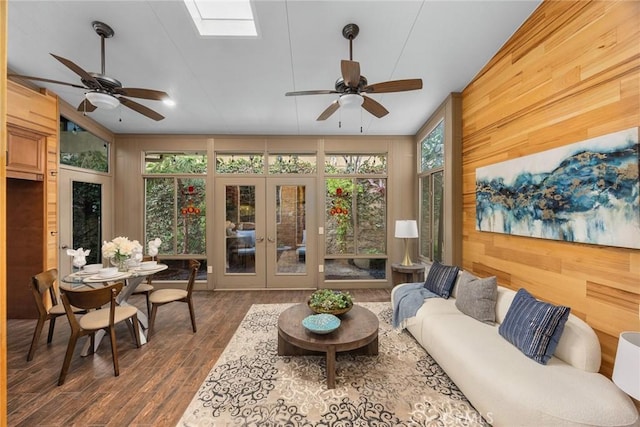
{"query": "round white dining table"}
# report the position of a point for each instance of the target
(132, 278)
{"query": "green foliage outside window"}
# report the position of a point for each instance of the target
(92, 160)
(82, 149)
(240, 164)
(159, 212)
(175, 206)
(432, 149)
(175, 212)
(355, 164)
(175, 163)
(356, 207)
(292, 164)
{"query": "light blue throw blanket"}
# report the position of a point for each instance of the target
(407, 300)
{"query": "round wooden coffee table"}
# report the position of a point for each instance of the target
(358, 332)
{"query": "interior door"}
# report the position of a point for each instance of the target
(291, 243)
(85, 216)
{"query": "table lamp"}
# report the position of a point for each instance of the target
(406, 229)
(626, 370)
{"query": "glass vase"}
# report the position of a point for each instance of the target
(121, 263)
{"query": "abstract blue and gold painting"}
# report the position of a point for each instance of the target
(587, 192)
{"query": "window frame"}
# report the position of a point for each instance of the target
(175, 176)
(355, 176)
(450, 111)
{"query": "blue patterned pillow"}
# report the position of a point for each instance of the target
(534, 326)
(441, 279)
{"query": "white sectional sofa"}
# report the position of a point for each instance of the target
(508, 388)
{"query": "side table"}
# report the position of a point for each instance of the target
(407, 273)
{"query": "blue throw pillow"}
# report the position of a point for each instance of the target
(534, 326)
(441, 279)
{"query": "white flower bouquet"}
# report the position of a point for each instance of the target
(121, 249)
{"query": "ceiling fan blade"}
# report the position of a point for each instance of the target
(86, 77)
(310, 92)
(350, 72)
(40, 79)
(374, 107)
(156, 95)
(329, 111)
(394, 86)
(141, 109)
(86, 106)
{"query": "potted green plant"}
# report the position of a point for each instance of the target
(330, 301)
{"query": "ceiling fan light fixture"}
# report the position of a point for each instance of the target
(350, 100)
(102, 100)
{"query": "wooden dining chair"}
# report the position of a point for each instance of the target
(166, 296)
(97, 318)
(145, 288)
(41, 285)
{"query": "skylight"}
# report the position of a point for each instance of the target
(223, 17)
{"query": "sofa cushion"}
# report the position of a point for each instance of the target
(534, 326)
(441, 278)
(477, 298)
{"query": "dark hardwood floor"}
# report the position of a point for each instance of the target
(156, 382)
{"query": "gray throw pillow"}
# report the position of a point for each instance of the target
(477, 298)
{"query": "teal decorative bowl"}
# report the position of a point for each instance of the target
(321, 323)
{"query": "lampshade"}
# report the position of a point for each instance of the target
(626, 371)
(406, 229)
(102, 100)
(350, 100)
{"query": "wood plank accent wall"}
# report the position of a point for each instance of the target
(571, 72)
(3, 205)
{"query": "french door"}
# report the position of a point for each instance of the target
(262, 233)
(85, 215)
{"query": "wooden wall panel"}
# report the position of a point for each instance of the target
(3, 203)
(571, 72)
(51, 236)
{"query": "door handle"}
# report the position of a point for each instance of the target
(259, 239)
(64, 247)
(271, 239)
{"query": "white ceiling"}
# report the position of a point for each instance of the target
(237, 85)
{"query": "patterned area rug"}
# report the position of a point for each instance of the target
(251, 385)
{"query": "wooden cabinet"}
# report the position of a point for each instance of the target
(25, 154)
(32, 193)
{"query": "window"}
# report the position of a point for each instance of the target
(355, 216)
(175, 208)
(82, 149)
(440, 184)
(431, 189)
(175, 163)
(240, 163)
(301, 164)
(223, 18)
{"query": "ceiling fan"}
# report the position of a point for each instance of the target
(353, 87)
(104, 91)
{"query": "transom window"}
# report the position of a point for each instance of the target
(82, 149)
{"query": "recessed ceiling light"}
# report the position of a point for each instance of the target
(168, 101)
(223, 17)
